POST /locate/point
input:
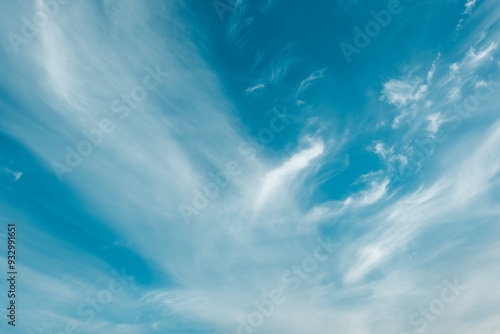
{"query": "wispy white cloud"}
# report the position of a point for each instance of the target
(381, 150)
(17, 175)
(469, 6)
(254, 88)
(435, 121)
(475, 57)
(407, 216)
(369, 196)
(404, 92)
(275, 178)
(400, 93)
(319, 74)
(454, 94)
(375, 191)
(432, 71)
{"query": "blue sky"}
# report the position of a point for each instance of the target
(228, 167)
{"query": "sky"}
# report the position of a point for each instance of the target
(251, 166)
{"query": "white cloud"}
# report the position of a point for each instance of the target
(369, 196)
(281, 64)
(409, 91)
(469, 6)
(476, 57)
(454, 94)
(435, 121)
(17, 175)
(376, 190)
(381, 150)
(309, 80)
(459, 186)
(368, 258)
(254, 88)
(480, 83)
(275, 178)
(432, 71)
